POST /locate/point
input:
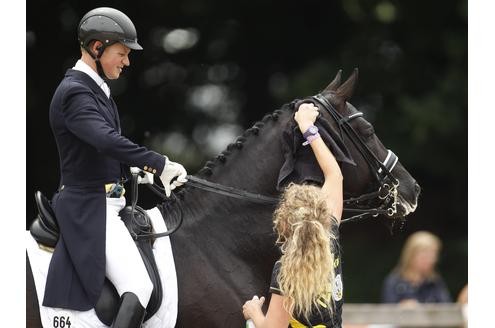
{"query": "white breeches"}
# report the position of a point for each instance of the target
(124, 266)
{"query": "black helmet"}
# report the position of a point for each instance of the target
(108, 26)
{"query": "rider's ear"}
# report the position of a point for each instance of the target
(96, 47)
(335, 83)
(346, 90)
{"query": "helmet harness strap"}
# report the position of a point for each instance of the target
(96, 58)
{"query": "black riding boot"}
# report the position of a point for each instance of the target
(130, 314)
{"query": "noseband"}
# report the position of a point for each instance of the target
(386, 194)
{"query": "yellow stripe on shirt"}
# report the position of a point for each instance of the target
(296, 324)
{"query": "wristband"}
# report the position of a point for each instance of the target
(311, 138)
(312, 130)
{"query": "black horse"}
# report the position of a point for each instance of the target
(224, 251)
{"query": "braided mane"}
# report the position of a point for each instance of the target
(221, 158)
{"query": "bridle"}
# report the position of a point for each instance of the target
(386, 192)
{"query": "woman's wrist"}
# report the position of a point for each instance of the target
(304, 126)
(311, 138)
(258, 318)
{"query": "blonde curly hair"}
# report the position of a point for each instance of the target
(303, 224)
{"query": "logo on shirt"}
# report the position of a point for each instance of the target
(338, 288)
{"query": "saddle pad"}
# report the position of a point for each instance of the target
(166, 315)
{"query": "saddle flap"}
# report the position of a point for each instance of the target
(137, 223)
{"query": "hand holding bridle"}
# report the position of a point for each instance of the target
(306, 116)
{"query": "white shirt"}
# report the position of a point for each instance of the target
(83, 67)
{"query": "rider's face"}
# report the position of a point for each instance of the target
(113, 60)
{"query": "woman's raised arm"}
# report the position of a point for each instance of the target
(332, 187)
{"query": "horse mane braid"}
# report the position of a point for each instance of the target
(221, 158)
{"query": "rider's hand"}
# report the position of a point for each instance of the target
(170, 171)
(306, 116)
(147, 178)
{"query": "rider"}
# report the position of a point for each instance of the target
(94, 163)
(306, 282)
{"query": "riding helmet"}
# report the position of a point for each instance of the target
(107, 25)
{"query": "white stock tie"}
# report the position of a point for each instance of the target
(106, 89)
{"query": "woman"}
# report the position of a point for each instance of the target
(415, 280)
(306, 282)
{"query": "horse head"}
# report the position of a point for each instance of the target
(375, 182)
(367, 151)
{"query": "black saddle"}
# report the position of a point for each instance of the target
(45, 231)
(45, 227)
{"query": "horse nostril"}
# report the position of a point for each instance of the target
(417, 188)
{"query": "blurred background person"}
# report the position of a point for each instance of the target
(415, 279)
(462, 299)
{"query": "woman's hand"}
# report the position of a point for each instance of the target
(253, 307)
(306, 116)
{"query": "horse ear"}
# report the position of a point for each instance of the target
(336, 82)
(347, 88)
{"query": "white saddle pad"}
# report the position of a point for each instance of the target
(166, 315)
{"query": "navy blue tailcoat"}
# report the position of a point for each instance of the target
(92, 153)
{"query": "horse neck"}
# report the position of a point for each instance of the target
(256, 165)
(255, 169)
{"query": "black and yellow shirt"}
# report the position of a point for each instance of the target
(320, 317)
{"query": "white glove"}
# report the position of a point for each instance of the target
(148, 177)
(170, 171)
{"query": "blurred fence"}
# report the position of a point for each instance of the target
(392, 315)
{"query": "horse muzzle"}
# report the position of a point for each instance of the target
(407, 205)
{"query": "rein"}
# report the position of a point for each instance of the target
(230, 191)
(217, 188)
(142, 233)
(387, 191)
